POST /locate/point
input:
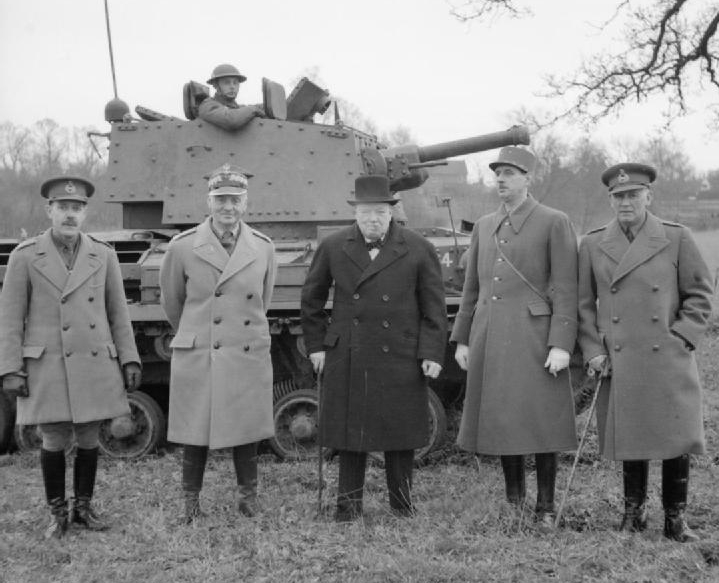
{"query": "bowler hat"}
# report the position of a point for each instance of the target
(372, 190)
(628, 176)
(228, 179)
(520, 158)
(67, 188)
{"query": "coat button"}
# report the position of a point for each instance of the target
(496, 278)
(385, 324)
(250, 296)
(506, 223)
(63, 300)
(500, 260)
(91, 299)
(385, 348)
(655, 348)
(216, 344)
(246, 348)
(247, 322)
(92, 325)
(495, 298)
(503, 241)
(218, 293)
(613, 290)
(94, 352)
(355, 321)
(356, 296)
(655, 288)
(68, 353)
(617, 348)
(615, 319)
(65, 327)
(655, 318)
(217, 320)
(385, 298)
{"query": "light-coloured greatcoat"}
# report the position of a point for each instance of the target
(632, 298)
(388, 315)
(70, 331)
(221, 373)
(512, 404)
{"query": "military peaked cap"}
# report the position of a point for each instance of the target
(520, 158)
(228, 179)
(67, 188)
(628, 176)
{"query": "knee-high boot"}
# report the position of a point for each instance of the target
(546, 478)
(244, 458)
(675, 487)
(84, 474)
(513, 468)
(636, 474)
(52, 464)
(194, 459)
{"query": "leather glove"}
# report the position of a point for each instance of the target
(599, 365)
(557, 360)
(14, 385)
(318, 361)
(133, 376)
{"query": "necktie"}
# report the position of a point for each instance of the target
(228, 241)
(629, 234)
(374, 244)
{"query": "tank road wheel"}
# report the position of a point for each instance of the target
(296, 420)
(7, 420)
(132, 436)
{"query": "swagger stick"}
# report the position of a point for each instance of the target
(319, 445)
(579, 449)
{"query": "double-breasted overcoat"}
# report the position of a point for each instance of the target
(646, 305)
(70, 331)
(512, 404)
(221, 372)
(388, 314)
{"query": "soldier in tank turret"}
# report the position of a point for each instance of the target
(222, 110)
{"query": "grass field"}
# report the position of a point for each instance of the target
(463, 531)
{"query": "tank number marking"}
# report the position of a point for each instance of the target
(446, 260)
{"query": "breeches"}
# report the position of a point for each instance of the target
(57, 436)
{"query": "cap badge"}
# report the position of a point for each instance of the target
(623, 177)
(70, 187)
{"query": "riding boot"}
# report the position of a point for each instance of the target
(350, 487)
(84, 474)
(194, 459)
(513, 468)
(636, 474)
(245, 459)
(398, 470)
(546, 478)
(675, 487)
(52, 464)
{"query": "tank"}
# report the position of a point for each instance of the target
(303, 174)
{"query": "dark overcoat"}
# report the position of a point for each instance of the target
(387, 316)
(69, 330)
(513, 405)
(646, 305)
(221, 371)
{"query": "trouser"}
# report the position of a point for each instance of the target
(58, 436)
(398, 472)
(194, 460)
(513, 469)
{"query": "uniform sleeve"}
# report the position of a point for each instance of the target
(589, 340)
(314, 297)
(16, 289)
(695, 291)
(118, 315)
(470, 293)
(172, 285)
(270, 275)
(225, 117)
(563, 284)
(432, 307)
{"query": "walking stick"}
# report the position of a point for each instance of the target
(579, 449)
(320, 459)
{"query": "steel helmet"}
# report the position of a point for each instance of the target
(225, 70)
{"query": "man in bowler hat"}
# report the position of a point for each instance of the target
(386, 336)
(67, 349)
(644, 304)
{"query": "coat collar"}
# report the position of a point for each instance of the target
(517, 217)
(649, 241)
(394, 247)
(49, 263)
(208, 248)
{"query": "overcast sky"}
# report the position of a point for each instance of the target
(405, 62)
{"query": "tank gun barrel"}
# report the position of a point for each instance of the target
(512, 137)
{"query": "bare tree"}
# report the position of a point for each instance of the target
(669, 47)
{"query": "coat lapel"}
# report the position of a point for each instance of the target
(394, 248)
(355, 248)
(87, 262)
(245, 253)
(207, 247)
(518, 217)
(49, 263)
(649, 241)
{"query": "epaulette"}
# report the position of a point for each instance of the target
(26, 243)
(261, 236)
(597, 230)
(671, 224)
(94, 238)
(184, 233)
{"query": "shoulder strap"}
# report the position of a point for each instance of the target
(519, 273)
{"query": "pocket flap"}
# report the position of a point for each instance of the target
(32, 351)
(183, 341)
(112, 349)
(539, 308)
(331, 339)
